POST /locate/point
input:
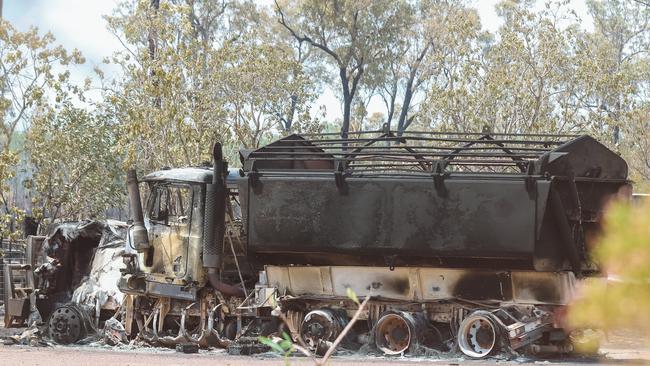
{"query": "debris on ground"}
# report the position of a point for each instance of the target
(187, 348)
(114, 332)
(32, 336)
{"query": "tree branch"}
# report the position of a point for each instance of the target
(305, 38)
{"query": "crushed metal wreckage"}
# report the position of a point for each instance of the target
(76, 270)
(467, 243)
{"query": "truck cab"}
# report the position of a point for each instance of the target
(173, 202)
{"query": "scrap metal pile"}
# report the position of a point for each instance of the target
(73, 272)
(470, 243)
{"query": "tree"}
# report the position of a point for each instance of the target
(307, 72)
(353, 35)
(401, 70)
(614, 71)
(528, 72)
(76, 172)
(436, 37)
(263, 87)
(623, 253)
(214, 79)
(455, 70)
(271, 92)
(188, 115)
(33, 72)
(541, 72)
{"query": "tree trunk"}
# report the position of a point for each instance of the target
(347, 103)
(151, 40)
(292, 112)
(401, 123)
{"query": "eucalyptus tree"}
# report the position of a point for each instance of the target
(33, 72)
(77, 174)
(615, 79)
(437, 39)
(529, 70)
(307, 72)
(453, 72)
(216, 75)
(352, 35)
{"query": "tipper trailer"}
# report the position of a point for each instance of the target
(463, 241)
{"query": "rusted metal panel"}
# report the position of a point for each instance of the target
(18, 307)
(550, 287)
(425, 284)
(387, 218)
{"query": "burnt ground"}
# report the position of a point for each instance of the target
(619, 348)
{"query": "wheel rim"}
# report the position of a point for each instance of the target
(65, 326)
(393, 334)
(320, 326)
(477, 336)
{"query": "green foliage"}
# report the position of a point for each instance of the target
(353, 38)
(76, 171)
(284, 347)
(624, 253)
(33, 72)
(195, 71)
(352, 296)
(206, 78)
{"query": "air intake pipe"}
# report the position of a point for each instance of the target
(214, 226)
(139, 235)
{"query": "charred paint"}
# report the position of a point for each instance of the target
(483, 286)
(541, 289)
(398, 285)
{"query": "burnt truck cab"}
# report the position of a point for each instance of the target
(174, 217)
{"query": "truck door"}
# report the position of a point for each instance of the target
(170, 211)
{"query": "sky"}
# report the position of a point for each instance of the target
(79, 24)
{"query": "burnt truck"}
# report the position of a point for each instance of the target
(470, 242)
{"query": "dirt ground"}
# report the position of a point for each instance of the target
(620, 348)
(73, 356)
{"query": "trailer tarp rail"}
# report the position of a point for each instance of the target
(376, 153)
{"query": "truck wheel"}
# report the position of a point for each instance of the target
(478, 336)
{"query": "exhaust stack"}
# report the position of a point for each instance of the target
(215, 213)
(139, 235)
(214, 224)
